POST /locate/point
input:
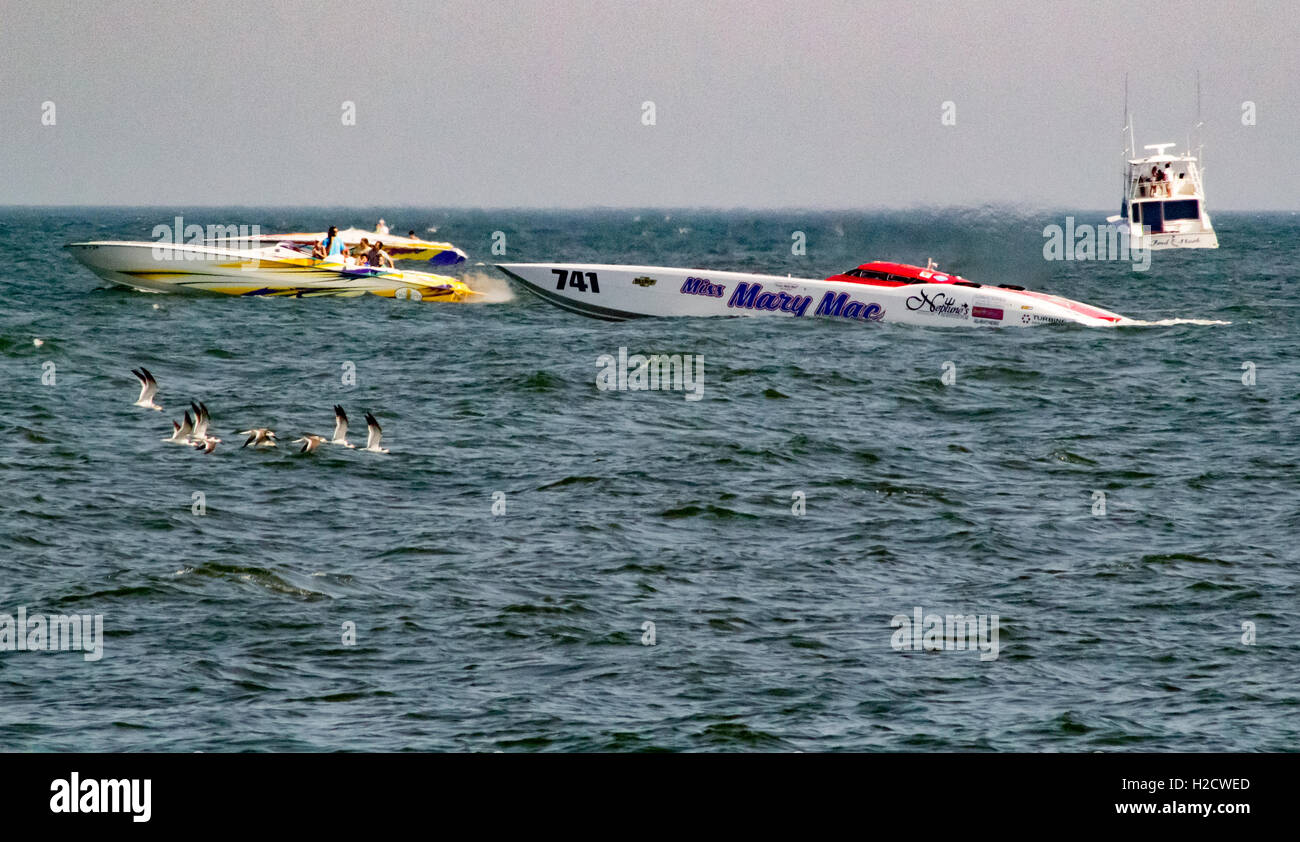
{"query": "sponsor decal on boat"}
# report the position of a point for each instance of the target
(643, 281)
(938, 303)
(990, 313)
(1035, 319)
(701, 286)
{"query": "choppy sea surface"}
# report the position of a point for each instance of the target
(227, 581)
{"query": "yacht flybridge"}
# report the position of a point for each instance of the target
(1164, 201)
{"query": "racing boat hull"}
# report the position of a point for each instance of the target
(272, 271)
(617, 293)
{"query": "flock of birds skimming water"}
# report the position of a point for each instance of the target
(192, 429)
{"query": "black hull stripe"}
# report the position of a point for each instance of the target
(582, 308)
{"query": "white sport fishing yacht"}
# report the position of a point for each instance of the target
(1164, 194)
(1164, 202)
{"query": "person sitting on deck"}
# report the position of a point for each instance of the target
(358, 252)
(378, 257)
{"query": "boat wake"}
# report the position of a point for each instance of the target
(491, 289)
(1172, 322)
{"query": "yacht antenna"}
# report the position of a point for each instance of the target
(1128, 122)
(1200, 145)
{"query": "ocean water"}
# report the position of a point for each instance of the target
(1167, 623)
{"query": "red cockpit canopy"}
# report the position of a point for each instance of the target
(884, 273)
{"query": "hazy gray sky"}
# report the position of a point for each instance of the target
(757, 104)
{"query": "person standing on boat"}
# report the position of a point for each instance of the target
(382, 228)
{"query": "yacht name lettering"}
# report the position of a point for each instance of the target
(840, 306)
(752, 297)
(703, 286)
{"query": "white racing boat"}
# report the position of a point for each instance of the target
(280, 270)
(873, 292)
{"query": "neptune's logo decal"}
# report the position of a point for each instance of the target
(938, 303)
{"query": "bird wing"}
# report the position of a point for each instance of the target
(150, 385)
(200, 420)
(340, 424)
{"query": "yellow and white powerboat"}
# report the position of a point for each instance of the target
(398, 248)
(283, 270)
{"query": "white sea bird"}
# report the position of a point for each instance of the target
(148, 388)
(341, 428)
(310, 442)
(258, 437)
(201, 421)
(181, 432)
(374, 434)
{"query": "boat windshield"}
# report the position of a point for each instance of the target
(1156, 214)
(877, 275)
